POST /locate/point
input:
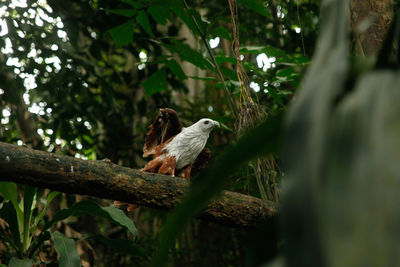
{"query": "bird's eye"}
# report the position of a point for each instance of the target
(206, 122)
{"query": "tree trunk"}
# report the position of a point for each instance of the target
(107, 180)
(370, 22)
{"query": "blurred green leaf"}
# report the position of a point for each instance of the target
(15, 262)
(9, 191)
(229, 73)
(186, 53)
(270, 51)
(67, 250)
(264, 139)
(203, 78)
(160, 14)
(185, 16)
(256, 5)
(122, 34)
(176, 69)
(308, 149)
(157, 82)
(122, 12)
(37, 242)
(221, 32)
(143, 20)
(286, 72)
(8, 213)
(222, 58)
(87, 207)
(133, 3)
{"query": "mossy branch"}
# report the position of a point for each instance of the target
(106, 180)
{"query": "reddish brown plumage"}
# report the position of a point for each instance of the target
(165, 126)
(163, 129)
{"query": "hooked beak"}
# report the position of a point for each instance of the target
(216, 124)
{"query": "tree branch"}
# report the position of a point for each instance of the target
(107, 180)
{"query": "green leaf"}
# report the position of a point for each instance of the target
(221, 32)
(15, 262)
(268, 50)
(50, 198)
(180, 12)
(9, 191)
(256, 5)
(122, 12)
(122, 246)
(143, 20)
(176, 69)
(160, 14)
(122, 34)
(157, 82)
(29, 195)
(186, 53)
(264, 139)
(8, 213)
(66, 249)
(286, 72)
(222, 58)
(229, 73)
(37, 242)
(203, 78)
(134, 3)
(308, 150)
(87, 207)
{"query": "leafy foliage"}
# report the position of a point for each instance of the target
(67, 250)
(24, 238)
(90, 77)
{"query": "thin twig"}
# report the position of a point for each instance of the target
(219, 73)
(301, 28)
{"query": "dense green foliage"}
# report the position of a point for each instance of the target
(93, 74)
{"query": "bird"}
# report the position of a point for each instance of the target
(177, 150)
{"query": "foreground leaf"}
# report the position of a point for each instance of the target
(9, 191)
(157, 82)
(186, 53)
(8, 213)
(88, 207)
(15, 262)
(176, 69)
(122, 12)
(160, 14)
(66, 248)
(122, 34)
(143, 20)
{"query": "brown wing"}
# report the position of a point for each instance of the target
(202, 160)
(165, 126)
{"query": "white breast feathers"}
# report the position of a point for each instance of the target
(188, 144)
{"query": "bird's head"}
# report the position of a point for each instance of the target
(206, 125)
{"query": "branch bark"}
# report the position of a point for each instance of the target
(376, 15)
(107, 180)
